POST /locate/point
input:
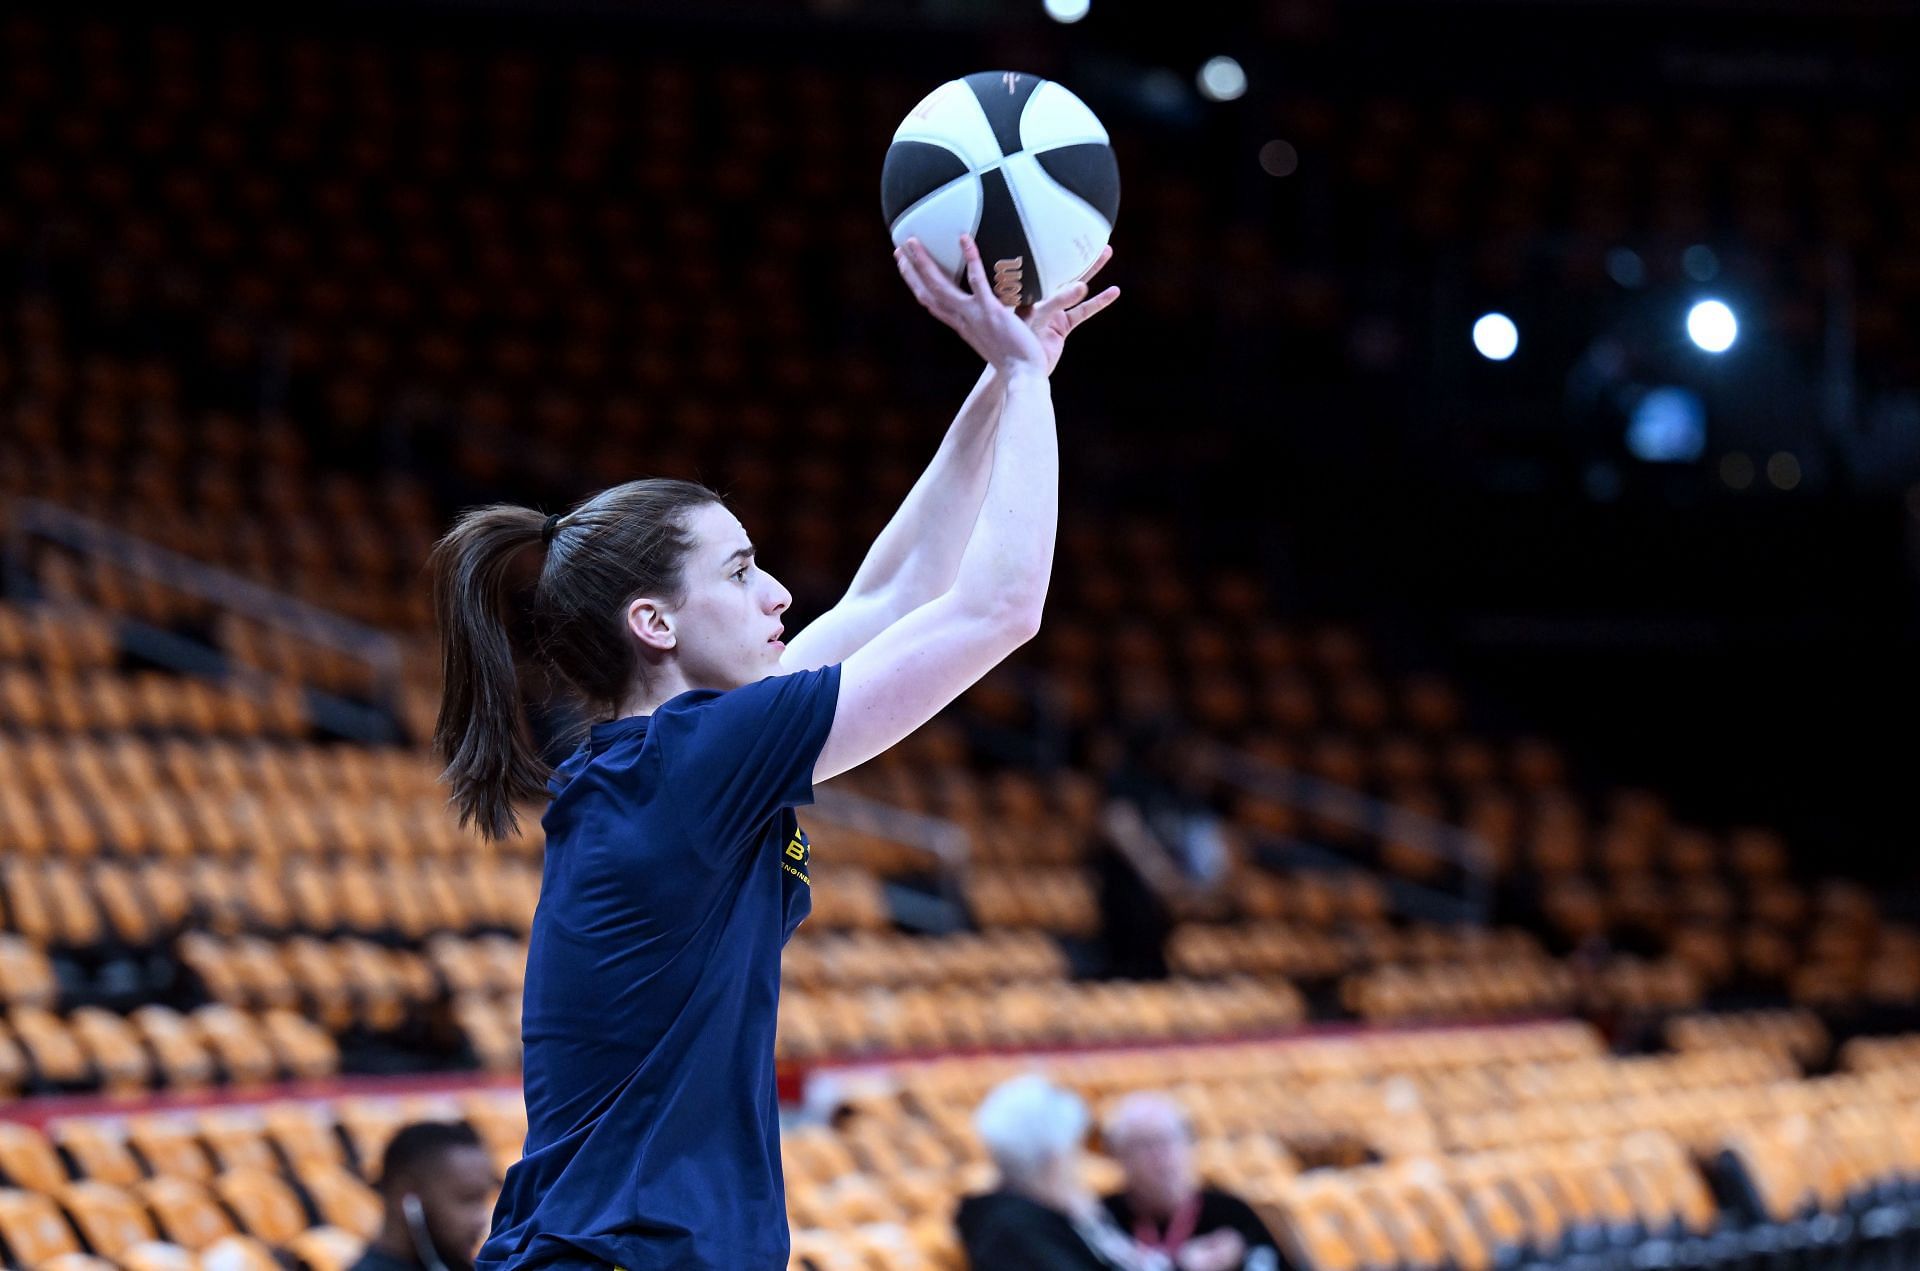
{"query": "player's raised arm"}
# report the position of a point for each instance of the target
(917, 556)
(918, 664)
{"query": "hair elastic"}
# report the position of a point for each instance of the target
(547, 530)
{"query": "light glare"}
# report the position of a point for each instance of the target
(1496, 337)
(1712, 326)
(1068, 10)
(1222, 79)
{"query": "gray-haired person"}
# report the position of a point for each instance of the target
(1042, 1217)
(1164, 1207)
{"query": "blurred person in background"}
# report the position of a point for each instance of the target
(1043, 1216)
(1163, 1205)
(1160, 854)
(436, 1191)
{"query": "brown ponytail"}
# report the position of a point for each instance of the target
(623, 543)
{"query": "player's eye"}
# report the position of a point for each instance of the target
(740, 574)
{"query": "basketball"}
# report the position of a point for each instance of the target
(1018, 162)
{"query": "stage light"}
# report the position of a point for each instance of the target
(1278, 158)
(1221, 79)
(1712, 326)
(1068, 10)
(1496, 337)
(1668, 425)
(1625, 267)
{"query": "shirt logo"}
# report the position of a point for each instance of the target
(794, 860)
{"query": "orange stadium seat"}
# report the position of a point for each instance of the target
(236, 1042)
(184, 1211)
(342, 1199)
(114, 1047)
(51, 1046)
(267, 1208)
(27, 1160)
(239, 1253)
(176, 1046)
(300, 1048)
(303, 1134)
(32, 1229)
(236, 1139)
(167, 1146)
(76, 1262)
(109, 1219)
(98, 1150)
(325, 1249)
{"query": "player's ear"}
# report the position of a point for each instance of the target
(651, 624)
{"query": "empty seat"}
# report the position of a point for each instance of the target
(267, 1208)
(27, 1160)
(32, 1229)
(184, 1211)
(176, 1045)
(168, 1148)
(114, 1047)
(325, 1249)
(342, 1199)
(236, 1138)
(236, 1042)
(98, 1150)
(51, 1047)
(238, 1253)
(108, 1218)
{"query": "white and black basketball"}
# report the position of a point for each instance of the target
(1016, 161)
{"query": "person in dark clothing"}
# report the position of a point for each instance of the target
(437, 1185)
(1164, 1207)
(1042, 1217)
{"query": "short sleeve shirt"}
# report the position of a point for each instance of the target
(675, 872)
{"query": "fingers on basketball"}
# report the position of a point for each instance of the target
(943, 298)
(976, 271)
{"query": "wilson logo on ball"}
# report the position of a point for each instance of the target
(1006, 280)
(1016, 161)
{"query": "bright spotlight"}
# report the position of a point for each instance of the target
(1221, 79)
(1712, 326)
(1068, 10)
(1496, 337)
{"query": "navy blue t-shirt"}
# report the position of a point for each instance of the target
(675, 871)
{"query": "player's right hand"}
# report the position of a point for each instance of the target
(991, 328)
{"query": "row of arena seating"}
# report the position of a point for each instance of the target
(1767, 1163)
(901, 1021)
(873, 1187)
(256, 1187)
(154, 1045)
(56, 904)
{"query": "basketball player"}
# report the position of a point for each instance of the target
(675, 870)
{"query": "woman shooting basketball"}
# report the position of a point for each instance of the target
(675, 870)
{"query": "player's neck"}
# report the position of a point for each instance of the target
(665, 684)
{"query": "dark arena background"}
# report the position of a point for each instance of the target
(1469, 758)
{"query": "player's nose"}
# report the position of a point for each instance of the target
(778, 597)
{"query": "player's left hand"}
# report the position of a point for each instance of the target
(1054, 318)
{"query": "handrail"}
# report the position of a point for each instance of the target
(1357, 810)
(379, 650)
(945, 840)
